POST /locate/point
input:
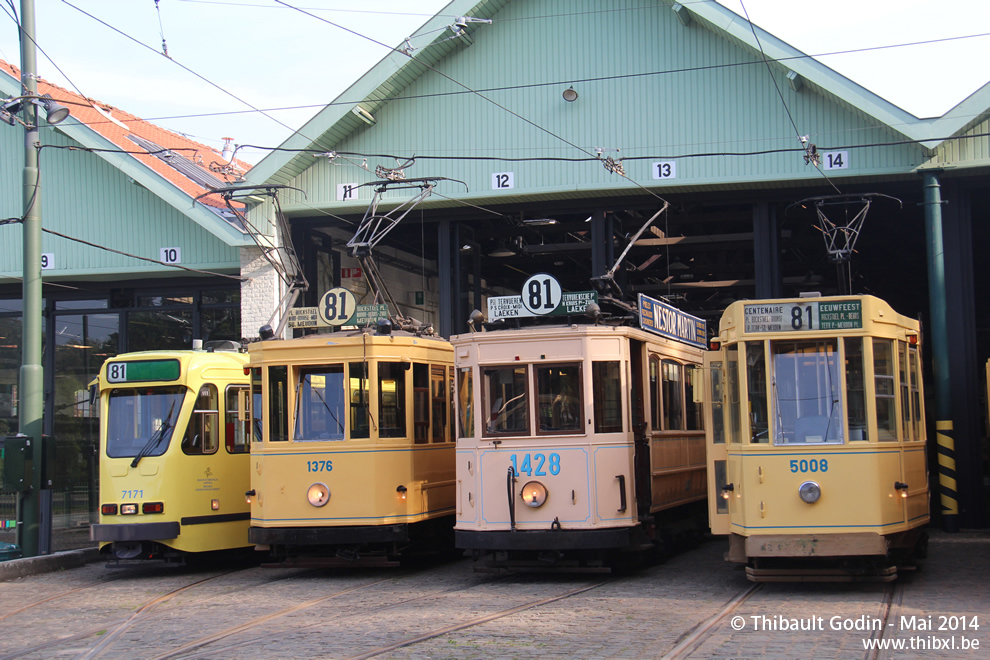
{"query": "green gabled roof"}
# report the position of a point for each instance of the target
(384, 81)
(163, 188)
(337, 126)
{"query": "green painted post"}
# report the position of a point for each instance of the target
(31, 408)
(938, 334)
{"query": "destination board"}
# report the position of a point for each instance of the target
(803, 316)
(310, 317)
(142, 371)
(510, 307)
(663, 319)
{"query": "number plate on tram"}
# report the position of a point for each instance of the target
(140, 371)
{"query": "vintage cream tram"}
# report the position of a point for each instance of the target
(173, 454)
(816, 438)
(579, 437)
(353, 459)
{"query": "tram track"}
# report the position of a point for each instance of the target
(890, 607)
(115, 626)
(704, 630)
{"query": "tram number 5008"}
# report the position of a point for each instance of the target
(810, 465)
(536, 465)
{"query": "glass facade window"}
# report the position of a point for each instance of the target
(558, 391)
(885, 392)
(807, 392)
(149, 331)
(607, 386)
(202, 433)
(320, 410)
(506, 403)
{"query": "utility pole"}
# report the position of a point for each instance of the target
(31, 384)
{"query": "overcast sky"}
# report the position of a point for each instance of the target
(271, 56)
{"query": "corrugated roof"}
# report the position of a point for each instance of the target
(120, 127)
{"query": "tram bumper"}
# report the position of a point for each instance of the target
(156, 531)
(578, 539)
(329, 535)
(850, 544)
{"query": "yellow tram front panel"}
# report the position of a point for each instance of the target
(186, 491)
(329, 460)
(816, 435)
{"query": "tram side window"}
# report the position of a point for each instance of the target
(733, 386)
(756, 378)
(607, 396)
(358, 376)
(693, 410)
(202, 435)
(421, 403)
(718, 414)
(856, 389)
(506, 404)
(235, 433)
(439, 389)
(673, 396)
(655, 412)
(916, 412)
(558, 390)
(320, 406)
(465, 402)
(278, 403)
(883, 379)
(255, 429)
(392, 399)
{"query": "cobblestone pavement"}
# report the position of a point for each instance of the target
(449, 611)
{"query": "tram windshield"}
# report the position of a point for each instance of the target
(141, 420)
(806, 392)
(320, 403)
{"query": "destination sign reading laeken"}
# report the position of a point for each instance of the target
(803, 316)
(663, 319)
(510, 307)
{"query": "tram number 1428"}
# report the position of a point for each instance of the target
(535, 466)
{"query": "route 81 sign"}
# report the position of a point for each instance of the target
(541, 296)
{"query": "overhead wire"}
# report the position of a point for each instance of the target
(811, 154)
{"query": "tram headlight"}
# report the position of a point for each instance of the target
(128, 509)
(810, 492)
(318, 494)
(534, 494)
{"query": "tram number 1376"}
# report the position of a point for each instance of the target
(536, 465)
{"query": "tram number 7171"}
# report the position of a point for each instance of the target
(536, 465)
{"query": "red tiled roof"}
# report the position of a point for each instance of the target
(116, 125)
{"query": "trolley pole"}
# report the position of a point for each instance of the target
(31, 385)
(945, 436)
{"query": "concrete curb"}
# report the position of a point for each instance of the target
(18, 568)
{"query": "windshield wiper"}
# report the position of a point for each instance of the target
(155, 438)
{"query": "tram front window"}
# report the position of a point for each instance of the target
(559, 403)
(142, 420)
(465, 403)
(320, 405)
(806, 392)
(507, 408)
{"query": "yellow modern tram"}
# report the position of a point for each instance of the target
(580, 438)
(816, 438)
(173, 454)
(355, 456)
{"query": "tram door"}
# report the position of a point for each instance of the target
(643, 463)
(715, 445)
